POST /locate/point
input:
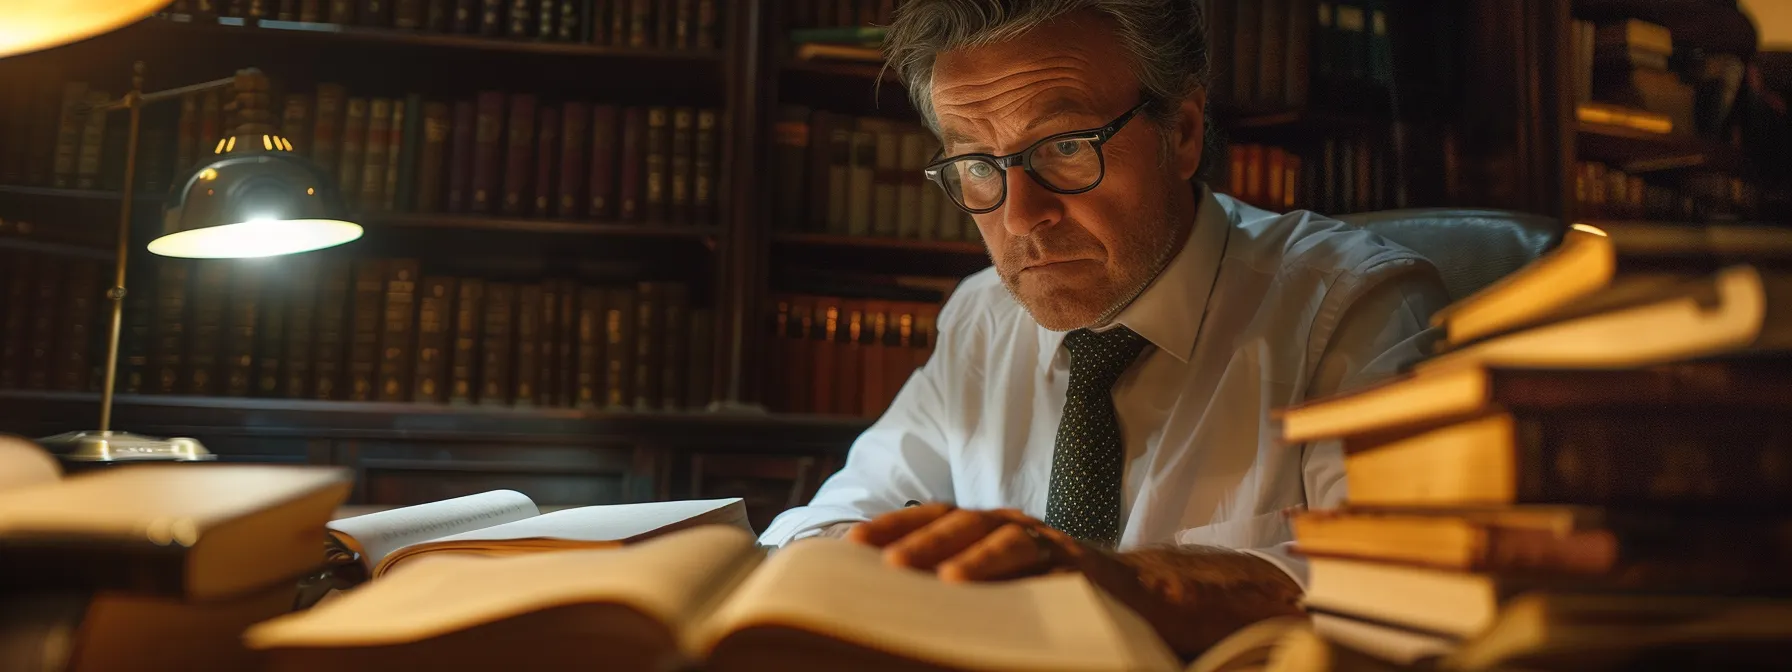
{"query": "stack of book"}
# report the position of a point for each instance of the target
(1597, 467)
(661, 24)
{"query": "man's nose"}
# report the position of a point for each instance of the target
(1029, 205)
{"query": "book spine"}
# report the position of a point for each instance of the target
(435, 307)
(22, 277)
(74, 330)
(461, 158)
(871, 359)
(312, 11)
(167, 346)
(649, 340)
(364, 343)
(674, 364)
(886, 180)
(438, 16)
(398, 337)
(517, 167)
(522, 18)
(93, 139)
(911, 161)
(209, 291)
(270, 360)
(432, 161)
(684, 25)
(640, 23)
(790, 155)
(823, 332)
(861, 183)
(295, 123)
(301, 327)
(186, 134)
(547, 347)
(840, 163)
(708, 19)
(354, 139)
(619, 348)
(659, 131)
(633, 164)
(547, 12)
(699, 390)
(376, 13)
(68, 135)
(374, 161)
(409, 14)
(333, 335)
(134, 342)
(488, 152)
(704, 166)
(469, 315)
(496, 346)
(547, 146)
(603, 162)
(401, 165)
(572, 345)
(466, 17)
(326, 133)
(575, 138)
(570, 26)
(590, 392)
(342, 12)
(683, 119)
(526, 370)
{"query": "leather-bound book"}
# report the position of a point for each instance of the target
(469, 316)
(575, 141)
(432, 159)
(604, 162)
(335, 293)
(659, 141)
(435, 310)
(547, 158)
(488, 153)
(520, 144)
(460, 158)
(398, 335)
(633, 165)
(364, 339)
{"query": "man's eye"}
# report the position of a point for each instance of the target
(980, 170)
(1068, 147)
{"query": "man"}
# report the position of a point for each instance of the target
(1100, 400)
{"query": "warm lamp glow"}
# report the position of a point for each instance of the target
(1773, 21)
(30, 25)
(256, 238)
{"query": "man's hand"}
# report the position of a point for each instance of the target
(967, 545)
(1193, 596)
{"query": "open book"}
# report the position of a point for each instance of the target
(709, 594)
(506, 522)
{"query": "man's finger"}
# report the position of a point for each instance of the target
(882, 530)
(948, 536)
(1008, 552)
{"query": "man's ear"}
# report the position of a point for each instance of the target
(1189, 134)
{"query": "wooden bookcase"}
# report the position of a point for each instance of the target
(1483, 118)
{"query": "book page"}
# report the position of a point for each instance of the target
(376, 534)
(580, 527)
(845, 591)
(665, 579)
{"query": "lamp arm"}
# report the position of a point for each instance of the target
(136, 98)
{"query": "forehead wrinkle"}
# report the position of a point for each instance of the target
(1047, 99)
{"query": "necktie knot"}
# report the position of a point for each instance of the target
(1101, 356)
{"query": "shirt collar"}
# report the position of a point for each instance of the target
(1168, 313)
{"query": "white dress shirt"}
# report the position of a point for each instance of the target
(1258, 311)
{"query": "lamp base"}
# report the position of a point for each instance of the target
(96, 446)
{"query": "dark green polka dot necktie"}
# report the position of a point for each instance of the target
(1088, 458)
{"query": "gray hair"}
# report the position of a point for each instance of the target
(1166, 39)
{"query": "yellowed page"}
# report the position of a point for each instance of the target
(377, 534)
(159, 503)
(666, 578)
(845, 591)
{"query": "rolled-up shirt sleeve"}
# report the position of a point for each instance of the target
(901, 457)
(1384, 330)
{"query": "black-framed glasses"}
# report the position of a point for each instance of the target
(1066, 163)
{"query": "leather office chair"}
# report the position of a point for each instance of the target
(1471, 248)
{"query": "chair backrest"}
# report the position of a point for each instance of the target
(1471, 248)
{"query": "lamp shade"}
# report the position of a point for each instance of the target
(30, 25)
(255, 199)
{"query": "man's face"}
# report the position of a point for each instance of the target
(1070, 258)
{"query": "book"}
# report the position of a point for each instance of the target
(1608, 266)
(1420, 401)
(505, 522)
(1740, 308)
(708, 594)
(1561, 540)
(1693, 457)
(199, 533)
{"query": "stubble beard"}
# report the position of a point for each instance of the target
(1127, 270)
